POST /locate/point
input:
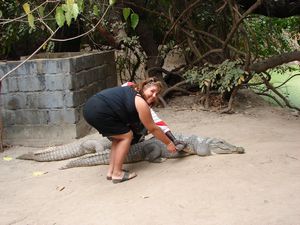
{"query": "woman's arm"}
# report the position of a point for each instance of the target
(143, 110)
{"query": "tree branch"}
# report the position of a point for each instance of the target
(235, 27)
(275, 61)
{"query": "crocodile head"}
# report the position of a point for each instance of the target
(219, 146)
(204, 146)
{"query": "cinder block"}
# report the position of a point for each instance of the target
(31, 83)
(45, 100)
(9, 117)
(80, 78)
(62, 116)
(75, 98)
(3, 69)
(14, 101)
(28, 68)
(53, 66)
(54, 82)
(111, 81)
(100, 73)
(9, 85)
(31, 116)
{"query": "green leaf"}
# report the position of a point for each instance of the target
(59, 16)
(65, 7)
(1, 13)
(80, 4)
(41, 11)
(112, 2)
(134, 19)
(68, 16)
(75, 11)
(26, 8)
(126, 13)
(95, 10)
(31, 21)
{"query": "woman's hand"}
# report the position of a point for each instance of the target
(180, 145)
(171, 147)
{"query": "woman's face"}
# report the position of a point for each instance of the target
(150, 93)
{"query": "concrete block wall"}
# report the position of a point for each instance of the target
(42, 100)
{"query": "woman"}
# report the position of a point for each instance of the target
(113, 111)
(139, 131)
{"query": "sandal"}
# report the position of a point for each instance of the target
(125, 177)
(110, 178)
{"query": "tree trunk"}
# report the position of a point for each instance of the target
(147, 40)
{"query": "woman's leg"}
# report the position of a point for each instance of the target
(111, 159)
(120, 148)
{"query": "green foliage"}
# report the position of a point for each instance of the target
(59, 16)
(283, 34)
(71, 11)
(26, 8)
(41, 11)
(30, 17)
(222, 77)
(126, 13)
(13, 34)
(28, 27)
(95, 10)
(63, 13)
(134, 18)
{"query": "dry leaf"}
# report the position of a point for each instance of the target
(38, 173)
(7, 158)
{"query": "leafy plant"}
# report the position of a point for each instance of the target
(221, 77)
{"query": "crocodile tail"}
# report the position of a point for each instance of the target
(99, 158)
(27, 156)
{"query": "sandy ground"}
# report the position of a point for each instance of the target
(260, 187)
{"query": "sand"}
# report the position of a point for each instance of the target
(260, 187)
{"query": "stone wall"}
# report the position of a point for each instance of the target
(42, 100)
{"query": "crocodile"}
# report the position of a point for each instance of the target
(151, 150)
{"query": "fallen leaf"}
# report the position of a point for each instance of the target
(7, 158)
(38, 173)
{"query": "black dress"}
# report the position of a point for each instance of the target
(112, 111)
